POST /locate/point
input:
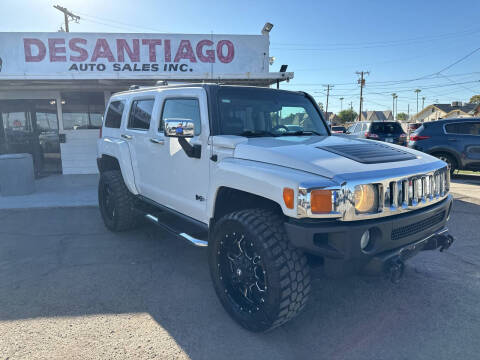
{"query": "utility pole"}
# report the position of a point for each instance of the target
(341, 103)
(417, 91)
(68, 16)
(326, 106)
(408, 113)
(361, 81)
(423, 102)
(396, 107)
(351, 106)
(393, 105)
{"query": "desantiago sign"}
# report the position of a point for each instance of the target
(37, 56)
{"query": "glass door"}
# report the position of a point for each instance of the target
(31, 126)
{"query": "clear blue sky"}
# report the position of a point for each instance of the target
(323, 42)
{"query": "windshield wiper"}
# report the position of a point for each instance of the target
(301, 132)
(250, 133)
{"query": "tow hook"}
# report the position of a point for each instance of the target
(394, 269)
(440, 241)
(445, 241)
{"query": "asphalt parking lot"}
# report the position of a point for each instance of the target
(69, 289)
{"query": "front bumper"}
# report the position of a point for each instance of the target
(339, 242)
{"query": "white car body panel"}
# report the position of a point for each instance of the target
(302, 153)
(118, 149)
(265, 180)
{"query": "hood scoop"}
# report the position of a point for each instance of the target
(369, 153)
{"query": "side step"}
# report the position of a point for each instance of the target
(191, 239)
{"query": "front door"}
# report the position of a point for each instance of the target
(173, 179)
(31, 126)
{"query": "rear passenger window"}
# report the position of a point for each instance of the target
(114, 114)
(140, 114)
(186, 109)
(466, 128)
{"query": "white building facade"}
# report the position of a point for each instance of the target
(54, 86)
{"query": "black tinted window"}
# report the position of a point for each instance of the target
(188, 109)
(386, 128)
(467, 128)
(114, 114)
(141, 114)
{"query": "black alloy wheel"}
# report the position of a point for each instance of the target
(260, 279)
(242, 271)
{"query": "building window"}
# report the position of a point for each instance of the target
(82, 110)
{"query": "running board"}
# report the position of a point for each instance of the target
(189, 238)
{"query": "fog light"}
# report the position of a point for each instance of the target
(365, 240)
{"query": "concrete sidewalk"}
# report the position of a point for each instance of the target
(57, 191)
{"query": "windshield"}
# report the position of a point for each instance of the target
(386, 128)
(266, 112)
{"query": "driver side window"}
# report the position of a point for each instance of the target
(181, 109)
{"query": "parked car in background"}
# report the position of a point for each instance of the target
(388, 131)
(413, 126)
(338, 129)
(455, 141)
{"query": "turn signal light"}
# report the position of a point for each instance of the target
(288, 197)
(321, 201)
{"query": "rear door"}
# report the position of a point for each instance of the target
(137, 133)
(465, 137)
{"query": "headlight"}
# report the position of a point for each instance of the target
(366, 198)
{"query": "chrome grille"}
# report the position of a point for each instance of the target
(415, 190)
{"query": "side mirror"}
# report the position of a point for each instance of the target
(181, 128)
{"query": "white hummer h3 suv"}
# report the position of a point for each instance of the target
(255, 174)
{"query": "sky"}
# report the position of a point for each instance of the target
(405, 45)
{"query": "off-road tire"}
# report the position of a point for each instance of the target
(287, 271)
(124, 216)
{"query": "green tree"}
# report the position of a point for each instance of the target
(402, 116)
(347, 116)
(475, 99)
(320, 105)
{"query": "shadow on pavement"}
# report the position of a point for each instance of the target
(63, 262)
(466, 179)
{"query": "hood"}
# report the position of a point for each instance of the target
(329, 156)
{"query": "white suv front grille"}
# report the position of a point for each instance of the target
(416, 190)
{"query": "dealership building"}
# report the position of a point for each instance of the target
(54, 86)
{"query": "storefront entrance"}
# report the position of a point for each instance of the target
(31, 126)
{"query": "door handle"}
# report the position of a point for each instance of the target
(452, 139)
(157, 141)
(128, 137)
